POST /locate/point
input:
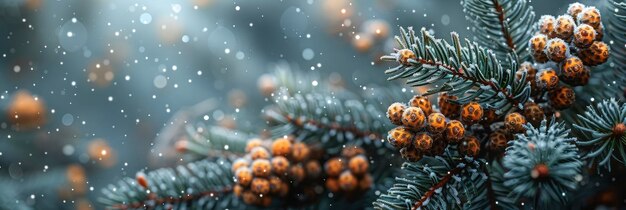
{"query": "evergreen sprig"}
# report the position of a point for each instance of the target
(212, 141)
(543, 164)
(504, 24)
(492, 193)
(433, 183)
(470, 72)
(291, 82)
(198, 185)
(325, 119)
(603, 132)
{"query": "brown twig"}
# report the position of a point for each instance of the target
(357, 133)
(501, 18)
(432, 189)
(459, 73)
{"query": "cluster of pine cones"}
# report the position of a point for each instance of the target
(288, 168)
(348, 174)
(422, 131)
(564, 50)
(291, 172)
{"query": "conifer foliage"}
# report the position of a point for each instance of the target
(505, 24)
(493, 139)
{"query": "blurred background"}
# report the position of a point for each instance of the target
(95, 90)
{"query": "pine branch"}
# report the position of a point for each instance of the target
(469, 72)
(212, 141)
(500, 193)
(543, 164)
(169, 135)
(197, 185)
(505, 24)
(492, 194)
(603, 132)
(433, 183)
(331, 121)
(290, 82)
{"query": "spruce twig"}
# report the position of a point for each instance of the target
(203, 184)
(470, 72)
(504, 24)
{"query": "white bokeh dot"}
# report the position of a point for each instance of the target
(145, 18)
(160, 81)
(308, 54)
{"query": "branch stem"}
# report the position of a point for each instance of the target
(352, 129)
(459, 73)
(431, 192)
(501, 18)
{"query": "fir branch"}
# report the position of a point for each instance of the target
(290, 82)
(499, 192)
(491, 197)
(212, 141)
(197, 185)
(543, 164)
(331, 121)
(493, 194)
(165, 141)
(603, 130)
(469, 72)
(431, 192)
(505, 24)
(433, 183)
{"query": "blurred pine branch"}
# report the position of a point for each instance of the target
(504, 24)
(213, 141)
(328, 120)
(203, 184)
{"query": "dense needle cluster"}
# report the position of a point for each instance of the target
(604, 129)
(543, 164)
